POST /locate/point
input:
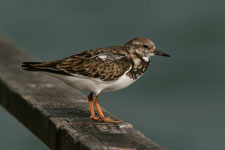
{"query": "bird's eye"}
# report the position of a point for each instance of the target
(145, 46)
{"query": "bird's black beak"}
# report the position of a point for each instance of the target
(160, 53)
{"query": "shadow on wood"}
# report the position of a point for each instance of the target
(56, 113)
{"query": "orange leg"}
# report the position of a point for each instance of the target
(103, 119)
(90, 100)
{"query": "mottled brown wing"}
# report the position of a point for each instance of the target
(105, 66)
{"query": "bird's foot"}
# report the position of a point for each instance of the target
(94, 118)
(109, 120)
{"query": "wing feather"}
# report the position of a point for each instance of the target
(105, 66)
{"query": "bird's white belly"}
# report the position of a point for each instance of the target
(123, 82)
(96, 85)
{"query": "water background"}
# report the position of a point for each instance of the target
(179, 102)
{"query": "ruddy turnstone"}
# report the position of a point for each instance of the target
(101, 70)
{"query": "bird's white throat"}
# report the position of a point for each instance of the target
(146, 57)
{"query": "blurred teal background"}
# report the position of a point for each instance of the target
(179, 102)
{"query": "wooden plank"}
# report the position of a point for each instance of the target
(56, 113)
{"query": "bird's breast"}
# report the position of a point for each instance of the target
(137, 70)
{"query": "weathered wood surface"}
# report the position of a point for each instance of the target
(56, 113)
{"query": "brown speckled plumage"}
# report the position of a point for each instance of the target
(107, 63)
(89, 63)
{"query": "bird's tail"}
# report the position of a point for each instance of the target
(50, 67)
(30, 66)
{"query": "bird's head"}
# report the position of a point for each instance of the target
(144, 47)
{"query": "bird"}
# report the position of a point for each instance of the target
(101, 70)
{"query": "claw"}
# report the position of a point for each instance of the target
(94, 118)
(109, 120)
